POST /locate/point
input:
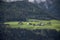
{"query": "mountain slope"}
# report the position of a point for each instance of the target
(51, 6)
(22, 10)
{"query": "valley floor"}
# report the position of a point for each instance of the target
(35, 24)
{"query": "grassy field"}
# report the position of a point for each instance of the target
(35, 24)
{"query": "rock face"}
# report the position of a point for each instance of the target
(51, 7)
(23, 34)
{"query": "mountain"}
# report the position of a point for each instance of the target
(51, 6)
(20, 10)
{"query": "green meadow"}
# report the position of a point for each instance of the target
(33, 24)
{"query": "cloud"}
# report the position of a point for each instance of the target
(31, 0)
(43, 0)
(38, 1)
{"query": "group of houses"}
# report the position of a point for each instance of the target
(39, 24)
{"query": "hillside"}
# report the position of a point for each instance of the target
(16, 11)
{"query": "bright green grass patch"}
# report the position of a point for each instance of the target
(55, 24)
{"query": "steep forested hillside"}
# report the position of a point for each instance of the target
(15, 11)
